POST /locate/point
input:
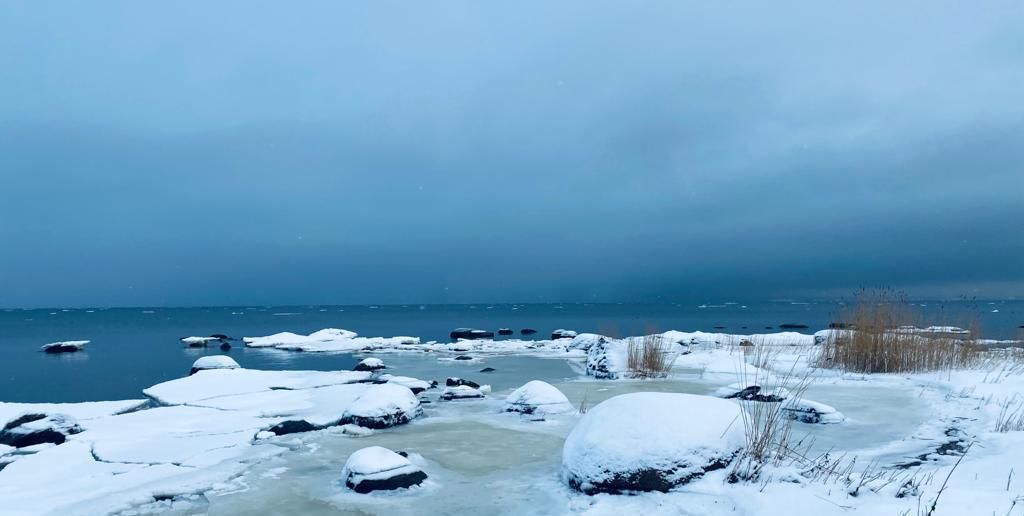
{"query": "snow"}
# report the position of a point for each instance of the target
(678, 435)
(369, 364)
(460, 392)
(326, 340)
(214, 362)
(537, 397)
(199, 340)
(82, 412)
(217, 383)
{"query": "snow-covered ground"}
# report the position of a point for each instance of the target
(207, 443)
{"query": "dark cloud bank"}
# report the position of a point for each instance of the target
(333, 152)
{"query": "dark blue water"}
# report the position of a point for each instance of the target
(133, 348)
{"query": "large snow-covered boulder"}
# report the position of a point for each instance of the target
(414, 384)
(649, 441)
(382, 406)
(537, 397)
(377, 468)
(807, 411)
(369, 364)
(33, 429)
(67, 346)
(213, 362)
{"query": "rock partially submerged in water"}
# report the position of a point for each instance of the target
(34, 429)
(67, 346)
(369, 364)
(537, 397)
(455, 382)
(807, 411)
(505, 331)
(562, 334)
(379, 469)
(650, 441)
(746, 392)
(527, 331)
(414, 384)
(383, 406)
(470, 334)
(213, 362)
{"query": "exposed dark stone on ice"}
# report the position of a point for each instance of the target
(487, 370)
(387, 484)
(60, 427)
(292, 427)
(643, 480)
(455, 382)
(463, 357)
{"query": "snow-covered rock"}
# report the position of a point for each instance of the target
(382, 406)
(198, 342)
(213, 362)
(650, 442)
(563, 334)
(461, 392)
(584, 341)
(377, 468)
(369, 364)
(327, 340)
(505, 331)
(807, 411)
(67, 346)
(33, 429)
(414, 384)
(537, 397)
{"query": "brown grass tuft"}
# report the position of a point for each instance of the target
(885, 337)
(649, 357)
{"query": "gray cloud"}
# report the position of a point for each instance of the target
(342, 153)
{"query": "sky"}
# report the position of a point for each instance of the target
(321, 152)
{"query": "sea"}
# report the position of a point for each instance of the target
(134, 348)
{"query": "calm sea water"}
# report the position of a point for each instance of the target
(133, 348)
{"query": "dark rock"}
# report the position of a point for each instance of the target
(505, 331)
(470, 334)
(224, 346)
(487, 370)
(221, 336)
(46, 428)
(389, 484)
(455, 382)
(292, 427)
(643, 480)
(839, 325)
(463, 357)
(527, 331)
(769, 328)
(746, 343)
(719, 327)
(791, 326)
(369, 365)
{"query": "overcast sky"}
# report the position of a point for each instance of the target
(190, 153)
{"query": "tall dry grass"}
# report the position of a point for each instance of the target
(649, 357)
(885, 336)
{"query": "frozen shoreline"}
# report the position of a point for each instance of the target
(205, 438)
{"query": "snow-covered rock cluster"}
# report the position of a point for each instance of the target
(327, 340)
(213, 362)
